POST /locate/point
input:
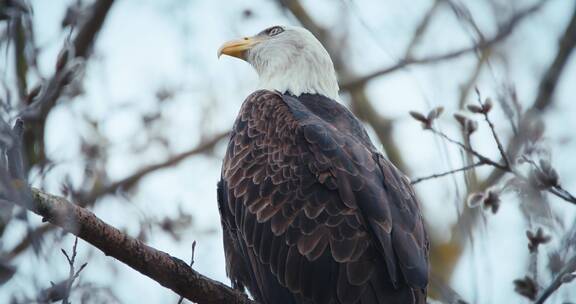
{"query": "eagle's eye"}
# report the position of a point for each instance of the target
(275, 30)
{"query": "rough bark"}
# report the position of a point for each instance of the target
(163, 268)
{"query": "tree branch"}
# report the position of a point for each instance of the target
(131, 180)
(556, 190)
(468, 149)
(550, 79)
(493, 131)
(28, 240)
(90, 197)
(504, 31)
(543, 100)
(86, 35)
(421, 28)
(544, 97)
(82, 44)
(163, 268)
(52, 90)
(562, 277)
(437, 175)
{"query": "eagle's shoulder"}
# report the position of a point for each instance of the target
(261, 108)
(306, 110)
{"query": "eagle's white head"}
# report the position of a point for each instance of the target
(287, 59)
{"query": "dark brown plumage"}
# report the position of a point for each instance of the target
(313, 213)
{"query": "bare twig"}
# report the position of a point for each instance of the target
(73, 274)
(544, 98)
(564, 276)
(492, 129)
(505, 30)
(191, 264)
(421, 28)
(468, 149)
(464, 14)
(562, 193)
(437, 175)
(547, 86)
(556, 190)
(465, 88)
(131, 180)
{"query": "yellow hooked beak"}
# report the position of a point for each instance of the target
(238, 48)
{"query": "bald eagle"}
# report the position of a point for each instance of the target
(311, 211)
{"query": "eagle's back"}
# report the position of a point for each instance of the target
(312, 213)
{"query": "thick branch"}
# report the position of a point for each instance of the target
(54, 87)
(83, 42)
(87, 33)
(20, 55)
(550, 80)
(163, 268)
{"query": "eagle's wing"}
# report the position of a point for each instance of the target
(314, 214)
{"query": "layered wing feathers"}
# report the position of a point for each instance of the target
(316, 212)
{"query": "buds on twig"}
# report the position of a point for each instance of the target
(536, 239)
(489, 199)
(428, 119)
(544, 176)
(526, 287)
(468, 125)
(484, 108)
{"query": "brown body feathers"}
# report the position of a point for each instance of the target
(313, 213)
